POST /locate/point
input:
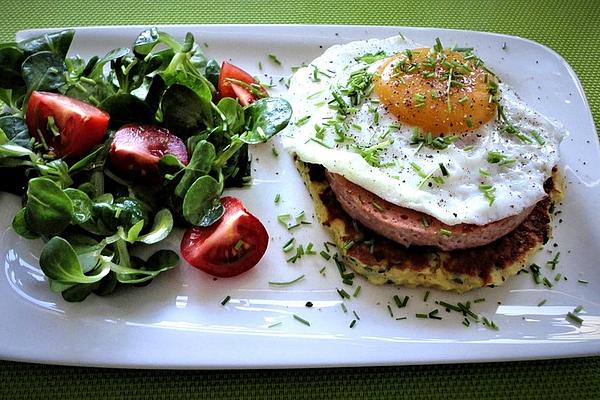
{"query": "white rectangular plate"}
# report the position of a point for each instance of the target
(178, 321)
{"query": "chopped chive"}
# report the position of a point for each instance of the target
(297, 224)
(404, 301)
(489, 324)
(356, 291)
(344, 308)
(275, 324)
(260, 66)
(302, 120)
(352, 323)
(557, 277)
(320, 142)
(433, 314)
(469, 122)
(309, 249)
(426, 296)
(377, 207)
(582, 281)
(449, 306)
(535, 273)
(547, 283)
(463, 99)
(390, 311)
(283, 218)
(348, 244)
(481, 300)
(445, 232)
(274, 152)
(274, 58)
(466, 322)
(322, 270)
(574, 318)
(397, 301)
(277, 198)
(421, 315)
(289, 245)
(325, 255)
(538, 138)
(541, 303)
(343, 294)
(225, 300)
(425, 221)
(400, 318)
(300, 319)
(554, 262)
(356, 315)
(288, 282)
(484, 172)
(443, 169)
(578, 309)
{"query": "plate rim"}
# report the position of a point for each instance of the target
(580, 351)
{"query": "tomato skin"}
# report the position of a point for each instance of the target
(81, 125)
(213, 249)
(136, 150)
(228, 89)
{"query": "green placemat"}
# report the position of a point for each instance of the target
(572, 29)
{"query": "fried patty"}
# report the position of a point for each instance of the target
(382, 260)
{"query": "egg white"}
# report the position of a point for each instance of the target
(459, 199)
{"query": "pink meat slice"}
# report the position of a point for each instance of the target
(413, 228)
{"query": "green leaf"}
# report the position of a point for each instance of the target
(162, 260)
(15, 130)
(184, 112)
(20, 226)
(93, 159)
(199, 165)
(59, 262)
(126, 108)
(212, 71)
(44, 71)
(57, 171)
(201, 204)
(56, 42)
(134, 231)
(145, 42)
(265, 118)
(11, 59)
(163, 224)
(11, 150)
(79, 292)
(48, 210)
(82, 205)
(110, 56)
(234, 114)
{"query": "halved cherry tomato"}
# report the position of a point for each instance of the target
(228, 89)
(74, 127)
(232, 245)
(136, 150)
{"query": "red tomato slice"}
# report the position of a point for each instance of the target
(136, 150)
(80, 125)
(229, 247)
(228, 89)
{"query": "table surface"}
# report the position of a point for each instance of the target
(570, 29)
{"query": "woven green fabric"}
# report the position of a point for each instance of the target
(569, 28)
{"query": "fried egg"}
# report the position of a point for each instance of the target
(427, 128)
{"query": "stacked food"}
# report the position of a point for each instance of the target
(424, 166)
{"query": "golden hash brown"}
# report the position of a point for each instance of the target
(381, 260)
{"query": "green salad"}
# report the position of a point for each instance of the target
(110, 153)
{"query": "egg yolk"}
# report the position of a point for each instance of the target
(439, 92)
